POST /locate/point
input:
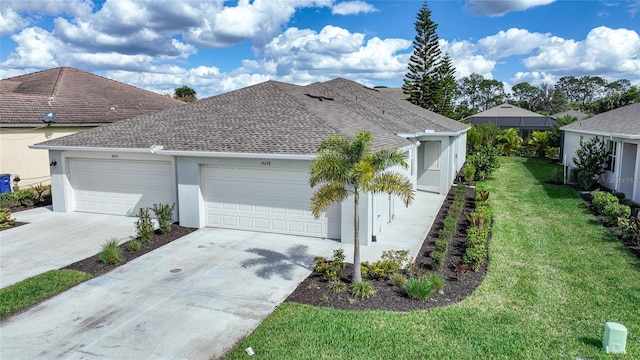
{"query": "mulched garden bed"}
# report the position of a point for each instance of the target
(632, 247)
(95, 267)
(315, 289)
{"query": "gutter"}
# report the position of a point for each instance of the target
(234, 155)
(54, 125)
(600, 133)
(92, 149)
(427, 133)
(157, 149)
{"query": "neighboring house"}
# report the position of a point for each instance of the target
(620, 128)
(78, 99)
(508, 116)
(240, 160)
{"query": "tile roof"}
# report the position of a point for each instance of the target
(271, 117)
(620, 121)
(77, 97)
(505, 110)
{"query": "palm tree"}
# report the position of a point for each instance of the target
(510, 141)
(344, 167)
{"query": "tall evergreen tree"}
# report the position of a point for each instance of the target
(448, 87)
(428, 80)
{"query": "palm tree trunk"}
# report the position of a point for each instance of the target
(357, 274)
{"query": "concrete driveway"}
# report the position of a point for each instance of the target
(53, 240)
(192, 299)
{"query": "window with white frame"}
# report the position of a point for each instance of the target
(611, 161)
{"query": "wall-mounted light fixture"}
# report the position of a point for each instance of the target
(53, 163)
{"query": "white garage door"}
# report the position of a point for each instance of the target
(120, 187)
(267, 200)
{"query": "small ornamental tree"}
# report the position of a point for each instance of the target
(591, 161)
(346, 167)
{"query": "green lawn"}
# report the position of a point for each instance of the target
(555, 277)
(35, 289)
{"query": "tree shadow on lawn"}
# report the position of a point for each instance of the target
(273, 263)
(550, 175)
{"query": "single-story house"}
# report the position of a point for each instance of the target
(620, 128)
(240, 160)
(507, 116)
(58, 102)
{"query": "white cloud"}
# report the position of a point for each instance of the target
(467, 59)
(501, 7)
(535, 78)
(352, 8)
(16, 15)
(37, 48)
(10, 21)
(336, 51)
(511, 42)
(604, 51)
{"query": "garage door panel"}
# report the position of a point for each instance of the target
(270, 200)
(120, 187)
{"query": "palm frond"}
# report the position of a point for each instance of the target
(386, 158)
(327, 194)
(395, 184)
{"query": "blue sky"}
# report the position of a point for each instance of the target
(218, 46)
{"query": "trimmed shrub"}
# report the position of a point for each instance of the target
(418, 288)
(437, 282)
(164, 214)
(438, 258)
(111, 253)
(337, 286)
(362, 289)
(630, 229)
(5, 218)
(399, 280)
(390, 262)
(134, 245)
(469, 173)
(601, 199)
(474, 257)
(144, 225)
(330, 268)
(613, 212)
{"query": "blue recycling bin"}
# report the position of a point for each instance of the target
(5, 183)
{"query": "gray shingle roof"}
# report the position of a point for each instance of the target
(271, 117)
(77, 97)
(623, 121)
(505, 110)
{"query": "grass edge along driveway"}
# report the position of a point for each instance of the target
(555, 277)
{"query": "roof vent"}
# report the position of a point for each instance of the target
(320, 98)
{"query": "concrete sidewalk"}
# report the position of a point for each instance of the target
(53, 240)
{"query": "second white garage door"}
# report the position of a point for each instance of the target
(120, 187)
(264, 199)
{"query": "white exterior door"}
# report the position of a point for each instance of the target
(120, 187)
(266, 200)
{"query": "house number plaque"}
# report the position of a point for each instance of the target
(266, 163)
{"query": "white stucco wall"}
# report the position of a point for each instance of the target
(32, 165)
(190, 209)
(626, 172)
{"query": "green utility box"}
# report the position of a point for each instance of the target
(615, 338)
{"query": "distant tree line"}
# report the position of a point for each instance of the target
(430, 83)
